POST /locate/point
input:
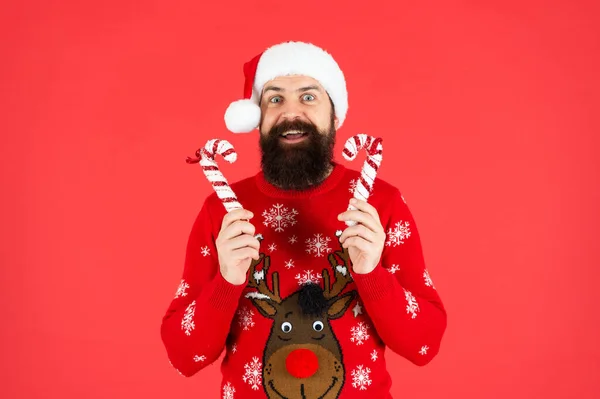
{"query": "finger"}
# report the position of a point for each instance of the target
(365, 207)
(362, 218)
(235, 215)
(245, 240)
(244, 253)
(359, 243)
(360, 231)
(237, 228)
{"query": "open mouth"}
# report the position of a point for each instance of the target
(293, 136)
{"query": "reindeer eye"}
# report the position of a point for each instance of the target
(318, 325)
(286, 327)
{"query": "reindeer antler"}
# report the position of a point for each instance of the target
(258, 280)
(341, 272)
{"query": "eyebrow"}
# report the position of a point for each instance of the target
(287, 314)
(302, 89)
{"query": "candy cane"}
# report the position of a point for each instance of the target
(206, 157)
(374, 149)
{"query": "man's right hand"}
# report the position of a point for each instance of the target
(237, 246)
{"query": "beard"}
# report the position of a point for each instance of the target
(300, 165)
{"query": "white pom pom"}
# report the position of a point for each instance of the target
(242, 116)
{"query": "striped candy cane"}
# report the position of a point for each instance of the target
(206, 157)
(374, 149)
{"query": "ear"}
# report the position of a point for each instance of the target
(339, 305)
(266, 307)
(336, 122)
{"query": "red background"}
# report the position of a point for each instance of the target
(489, 114)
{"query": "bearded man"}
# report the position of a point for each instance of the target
(303, 304)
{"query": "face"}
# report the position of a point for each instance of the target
(297, 132)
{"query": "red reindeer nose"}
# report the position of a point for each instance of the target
(302, 363)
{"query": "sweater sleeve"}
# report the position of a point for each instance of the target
(196, 324)
(399, 295)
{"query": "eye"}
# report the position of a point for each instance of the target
(275, 99)
(318, 325)
(308, 97)
(286, 327)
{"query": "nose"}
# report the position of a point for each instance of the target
(290, 110)
(302, 363)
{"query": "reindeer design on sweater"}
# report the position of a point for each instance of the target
(302, 357)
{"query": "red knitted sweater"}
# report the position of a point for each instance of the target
(304, 325)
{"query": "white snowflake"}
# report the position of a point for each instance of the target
(279, 217)
(289, 264)
(187, 323)
(233, 348)
(205, 251)
(272, 247)
(199, 358)
(412, 306)
(360, 377)
(357, 309)
(424, 349)
(318, 245)
(228, 391)
(181, 289)
(245, 318)
(394, 269)
(374, 355)
(403, 200)
(353, 184)
(307, 277)
(427, 278)
(359, 333)
(253, 373)
(397, 235)
(293, 240)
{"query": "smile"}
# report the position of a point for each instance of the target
(334, 380)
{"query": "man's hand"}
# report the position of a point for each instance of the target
(366, 239)
(237, 246)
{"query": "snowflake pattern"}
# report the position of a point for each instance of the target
(205, 251)
(398, 234)
(293, 240)
(272, 247)
(361, 377)
(181, 289)
(412, 306)
(424, 350)
(307, 277)
(318, 245)
(187, 323)
(245, 316)
(359, 333)
(279, 217)
(199, 358)
(403, 200)
(394, 269)
(374, 355)
(353, 184)
(253, 373)
(228, 391)
(427, 278)
(289, 264)
(233, 348)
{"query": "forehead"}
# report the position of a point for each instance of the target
(292, 83)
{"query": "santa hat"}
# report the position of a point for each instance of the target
(289, 58)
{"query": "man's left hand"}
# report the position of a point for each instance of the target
(366, 239)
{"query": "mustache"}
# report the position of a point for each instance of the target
(295, 124)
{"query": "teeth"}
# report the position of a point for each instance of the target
(292, 132)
